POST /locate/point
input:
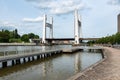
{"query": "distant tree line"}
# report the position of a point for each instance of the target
(113, 39)
(13, 36)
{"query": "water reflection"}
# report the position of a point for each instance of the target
(77, 63)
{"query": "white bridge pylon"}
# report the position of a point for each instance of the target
(77, 27)
(45, 25)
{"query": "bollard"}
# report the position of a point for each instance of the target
(4, 64)
(24, 60)
(28, 59)
(38, 56)
(33, 58)
(17, 61)
(13, 62)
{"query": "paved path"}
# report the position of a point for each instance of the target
(109, 69)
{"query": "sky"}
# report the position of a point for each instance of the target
(98, 17)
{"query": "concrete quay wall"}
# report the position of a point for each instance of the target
(17, 44)
(106, 69)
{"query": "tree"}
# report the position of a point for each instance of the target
(110, 39)
(25, 38)
(4, 37)
(31, 35)
(16, 35)
(13, 36)
(36, 37)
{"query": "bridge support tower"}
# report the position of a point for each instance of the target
(77, 28)
(45, 25)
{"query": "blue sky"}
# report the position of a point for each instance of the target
(98, 17)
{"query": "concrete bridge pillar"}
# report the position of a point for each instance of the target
(51, 28)
(49, 25)
(77, 27)
(44, 29)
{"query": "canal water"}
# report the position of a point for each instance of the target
(59, 67)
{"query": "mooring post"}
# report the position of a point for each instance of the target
(28, 59)
(17, 61)
(13, 62)
(24, 60)
(33, 58)
(38, 56)
(4, 64)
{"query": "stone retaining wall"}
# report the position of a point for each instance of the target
(80, 75)
(17, 44)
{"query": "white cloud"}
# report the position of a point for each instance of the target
(7, 25)
(38, 19)
(59, 6)
(114, 2)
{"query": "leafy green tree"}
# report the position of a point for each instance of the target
(16, 35)
(13, 36)
(4, 37)
(15, 40)
(36, 37)
(31, 35)
(25, 38)
(117, 38)
(114, 39)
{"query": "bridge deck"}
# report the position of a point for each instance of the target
(72, 38)
(63, 39)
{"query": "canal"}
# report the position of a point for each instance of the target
(59, 67)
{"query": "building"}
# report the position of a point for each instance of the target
(118, 30)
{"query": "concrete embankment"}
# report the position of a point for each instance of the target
(106, 69)
(16, 59)
(17, 44)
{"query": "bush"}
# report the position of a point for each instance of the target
(15, 40)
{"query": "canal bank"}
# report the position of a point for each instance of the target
(21, 58)
(59, 68)
(17, 44)
(106, 69)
